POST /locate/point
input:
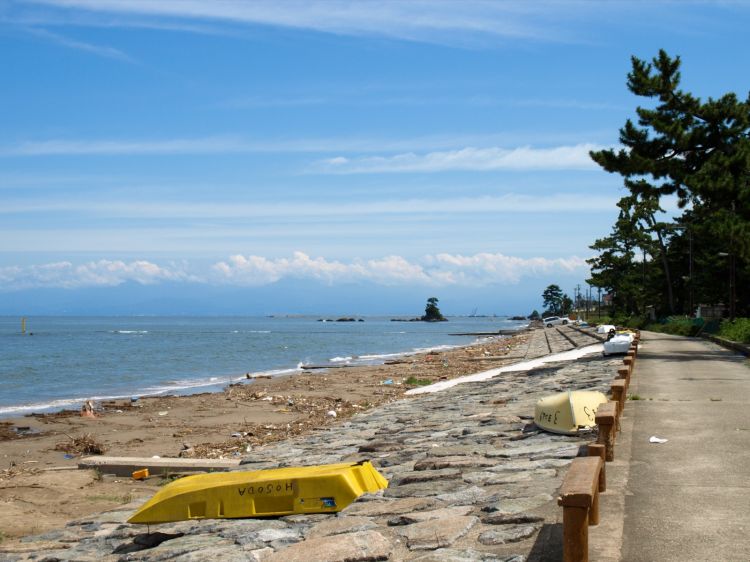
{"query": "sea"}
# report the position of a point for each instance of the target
(61, 361)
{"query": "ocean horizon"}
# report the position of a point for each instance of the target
(61, 361)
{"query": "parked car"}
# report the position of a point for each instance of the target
(555, 320)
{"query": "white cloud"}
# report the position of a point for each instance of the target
(102, 273)
(252, 271)
(574, 157)
(435, 270)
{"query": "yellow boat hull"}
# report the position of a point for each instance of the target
(281, 491)
(568, 412)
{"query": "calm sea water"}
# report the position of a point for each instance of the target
(68, 360)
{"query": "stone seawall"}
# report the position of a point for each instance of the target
(471, 479)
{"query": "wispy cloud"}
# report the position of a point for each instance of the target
(229, 144)
(66, 147)
(355, 98)
(469, 22)
(509, 203)
(99, 50)
(471, 159)
(253, 270)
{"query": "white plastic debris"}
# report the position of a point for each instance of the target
(331, 414)
(655, 439)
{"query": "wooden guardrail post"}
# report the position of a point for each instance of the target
(619, 386)
(606, 419)
(624, 374)
(579, 498)
(598, 450)
(628, 361)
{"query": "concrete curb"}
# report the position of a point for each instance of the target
(742, 348)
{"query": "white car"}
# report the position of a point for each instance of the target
(554, 321)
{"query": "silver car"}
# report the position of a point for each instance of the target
(554, 321)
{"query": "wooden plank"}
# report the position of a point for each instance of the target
(125, 466)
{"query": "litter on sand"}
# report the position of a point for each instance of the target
(655, 439)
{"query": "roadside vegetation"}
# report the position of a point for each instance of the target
(695, 153)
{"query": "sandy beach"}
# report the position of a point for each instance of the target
(40, 461)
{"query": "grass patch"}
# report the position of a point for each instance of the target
(635, 397)
(414, 381)
(115, 498)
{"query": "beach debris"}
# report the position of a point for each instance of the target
(655, 439)
(387, 381)
(331, 413)
(163, 413)
(84, 444)
(141, 474)
(8, 431)
(87, 409)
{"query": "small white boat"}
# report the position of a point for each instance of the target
(568, 412)
(618, 343)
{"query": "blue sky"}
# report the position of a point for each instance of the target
(358, 148)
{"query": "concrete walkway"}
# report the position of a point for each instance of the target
(689, 498)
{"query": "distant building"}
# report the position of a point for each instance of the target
(712, 311)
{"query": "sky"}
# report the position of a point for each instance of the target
(217, 156)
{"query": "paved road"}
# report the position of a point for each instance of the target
(688, 499)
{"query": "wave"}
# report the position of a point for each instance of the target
(168, 388)
(346, 359)
(129, 332)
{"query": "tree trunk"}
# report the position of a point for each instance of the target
(664, 262)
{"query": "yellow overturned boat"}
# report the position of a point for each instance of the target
(281, 491)
(568, 412)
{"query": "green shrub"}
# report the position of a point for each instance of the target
(736, 330)
(678, 326)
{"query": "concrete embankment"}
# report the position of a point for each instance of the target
(471, 479)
